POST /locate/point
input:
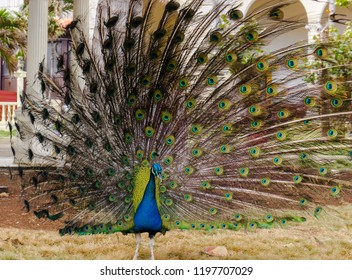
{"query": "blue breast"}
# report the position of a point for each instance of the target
(147, 217)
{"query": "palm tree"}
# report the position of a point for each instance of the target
(12, 38)
(13, 30)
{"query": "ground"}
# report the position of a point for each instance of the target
(22, 236)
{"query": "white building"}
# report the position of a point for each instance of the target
(314, 13)
(11, 4)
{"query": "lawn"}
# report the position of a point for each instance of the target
(328, 238)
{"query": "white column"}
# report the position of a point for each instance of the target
(20, 75)
(314, 29)
(37, 42)
(92, 17)
(81, 11)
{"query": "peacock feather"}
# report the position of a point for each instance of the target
(186, 124)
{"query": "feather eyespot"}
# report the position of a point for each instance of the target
(137, 21)
(336, 102)
(231, 57)
(160, 33)
(292, 63)
(191, 103)
(128, 138)
(168, 202)
(111, 22)
(219, 170)
(244, 171)
(252, 36)
(189, 170)
(202, 58)
(166, 117)
(224, 105)
(309, 101)
(170, 140)
(157, 95)
(215, 37)
(211, 81)
(277, 161)
(183, 83)
(321, 52)
(179, 37)
(140, 114)
(154, 54)
(276, 14)
(271, 90)
(255, 152)
(281, 135)
(297, 179)
(139, 154)
(330, 87)
(225, 149)
(197, 152)
(146, 81)
(149, 131)
(169, 160)
(265, 182)
(235, 14)
(335, 191)
(332, 133)
(262, 66)
(171, 65)
(245, 89)
(129, 43)
(323, 171)
(172, 6)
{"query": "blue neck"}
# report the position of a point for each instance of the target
(147, 217)
(150, 190)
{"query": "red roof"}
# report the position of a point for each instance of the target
(8, 96)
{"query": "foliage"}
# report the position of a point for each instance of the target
(12, 38)
(56, 9)
(344, 3)
(255, 50)
(339, 55)
(13, 30)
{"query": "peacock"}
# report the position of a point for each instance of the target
(177, 117)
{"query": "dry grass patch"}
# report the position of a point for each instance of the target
(329, 238)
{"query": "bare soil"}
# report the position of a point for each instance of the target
(12, 213)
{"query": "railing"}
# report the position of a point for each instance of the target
(7, 113)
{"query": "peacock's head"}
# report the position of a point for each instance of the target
(157, 170)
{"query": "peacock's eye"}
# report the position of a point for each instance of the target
(251, 36)
(158, 95)
(215, 37)
(292, 63)
(336, 102)
(235, 14)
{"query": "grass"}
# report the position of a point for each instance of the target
(329, 238)
(6, 133)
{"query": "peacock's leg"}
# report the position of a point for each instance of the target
(151, 245)
(138, 239)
